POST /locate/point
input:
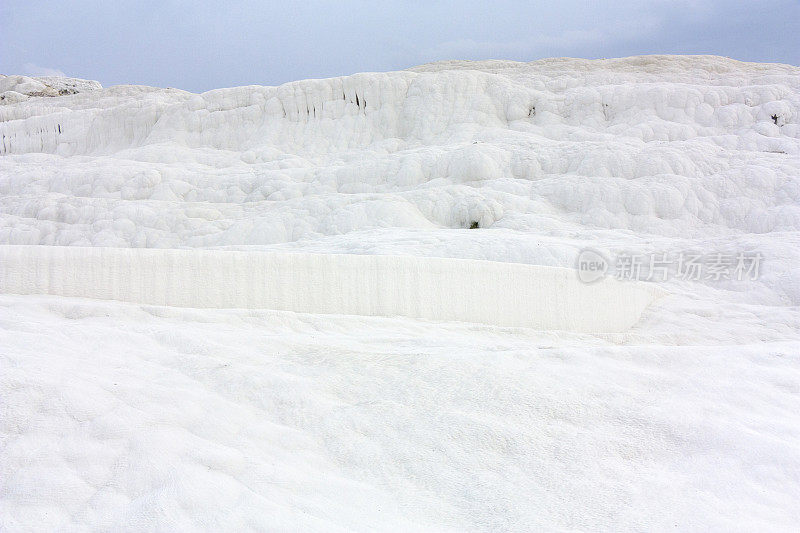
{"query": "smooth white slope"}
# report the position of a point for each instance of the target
(122, 417)
(502, 294)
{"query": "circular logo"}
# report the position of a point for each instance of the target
(592, 265)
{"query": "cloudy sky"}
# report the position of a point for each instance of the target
(204, 45)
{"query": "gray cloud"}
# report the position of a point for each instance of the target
(204, 45)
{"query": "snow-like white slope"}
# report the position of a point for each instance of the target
(502, 294)
(121, 417)
(116, 415)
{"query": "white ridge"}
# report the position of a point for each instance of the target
(503, 294)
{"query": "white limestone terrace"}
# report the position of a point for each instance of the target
(163, 411)
(657, 144)
(543, 158)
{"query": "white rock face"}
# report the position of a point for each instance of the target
(663, 145)
(15, 89)
(142, 416)
(484, 292)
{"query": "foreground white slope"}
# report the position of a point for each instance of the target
(143, 416)
(153, 418)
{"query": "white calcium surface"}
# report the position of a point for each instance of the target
(136, 415)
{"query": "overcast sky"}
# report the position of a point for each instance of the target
(204, 45)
